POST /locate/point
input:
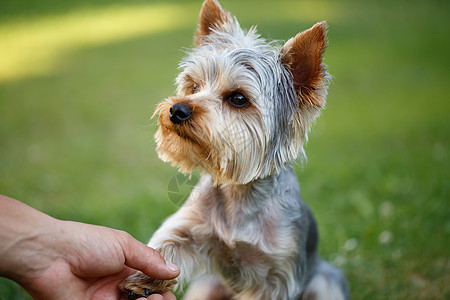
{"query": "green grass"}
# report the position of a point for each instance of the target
(76, 135)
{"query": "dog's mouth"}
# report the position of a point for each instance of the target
(187, 130)
(170, 129)
(185, 144)
(174, 133)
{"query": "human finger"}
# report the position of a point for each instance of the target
(141, 257)
(168, 296)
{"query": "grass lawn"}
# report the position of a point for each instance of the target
(79, 81)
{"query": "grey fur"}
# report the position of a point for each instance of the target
(245, 222)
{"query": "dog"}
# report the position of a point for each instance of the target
(241, 116)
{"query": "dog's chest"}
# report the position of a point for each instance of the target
(248, 241)
(239, 231)
(242, 255)
(244, 264)
(235, 261)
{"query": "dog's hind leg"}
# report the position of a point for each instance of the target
(208, 287)
(327, 283)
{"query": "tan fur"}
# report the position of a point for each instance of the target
(180, 144)
(139, 282)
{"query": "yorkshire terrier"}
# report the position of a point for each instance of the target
(241, 115)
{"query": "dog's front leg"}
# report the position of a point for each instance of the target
(175, 241)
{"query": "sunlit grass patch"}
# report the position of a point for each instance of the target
(36, 46)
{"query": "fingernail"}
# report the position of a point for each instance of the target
(172, 267)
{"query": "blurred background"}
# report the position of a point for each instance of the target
(79, 81)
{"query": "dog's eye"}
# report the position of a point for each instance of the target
(237, 100)
(194, 88)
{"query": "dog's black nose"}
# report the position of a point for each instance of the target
(179, 113)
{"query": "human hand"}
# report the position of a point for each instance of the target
(95, 260)
(56, 259)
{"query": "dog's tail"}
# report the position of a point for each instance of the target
(327, 283)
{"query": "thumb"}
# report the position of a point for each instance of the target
(143, 258)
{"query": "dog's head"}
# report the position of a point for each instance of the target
(243, 107)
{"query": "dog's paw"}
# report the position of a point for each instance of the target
(140, 285)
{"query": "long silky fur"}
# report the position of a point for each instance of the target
(245, 222)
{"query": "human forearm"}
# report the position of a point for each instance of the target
(24, 233)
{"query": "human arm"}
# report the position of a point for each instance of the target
(54, 259)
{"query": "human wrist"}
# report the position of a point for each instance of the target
(26, 257)
(26, 237)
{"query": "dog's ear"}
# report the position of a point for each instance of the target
(212, 16)
(302, 55)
